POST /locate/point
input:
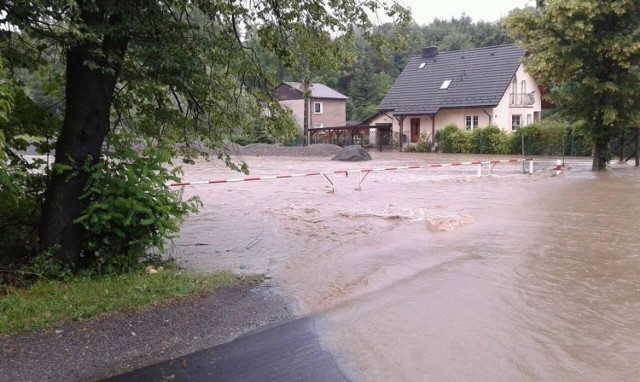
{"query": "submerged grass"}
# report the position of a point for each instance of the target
(49, 303)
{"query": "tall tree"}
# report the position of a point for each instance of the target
(159, 66)
(588, 53)
(367, 89)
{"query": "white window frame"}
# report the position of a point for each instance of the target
(516, 126)
(445, 84)
(471, 122)
(318, 125)
(316, 103)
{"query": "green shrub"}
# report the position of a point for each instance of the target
(423, 144)
(578, 142)
(552, 137)
(132, 209)
(395, 140)
(296, 140)
(490, 140)
(453, 140)
(21, 188)
(541, 138)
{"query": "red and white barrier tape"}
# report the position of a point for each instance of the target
(367, 170)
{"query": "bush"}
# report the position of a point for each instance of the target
(552, 137)
(578, 142)
(21, 188)
(395, 140)
(423, 144)
(296, 140)
(453, 140)
(490, 140)
(132, 209)
(18, 219)
(540, 138)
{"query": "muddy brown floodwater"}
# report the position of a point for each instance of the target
(439, 274)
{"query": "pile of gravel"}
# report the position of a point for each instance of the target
(263, 149)
(352, 154)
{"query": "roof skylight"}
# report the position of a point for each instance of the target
(422, 65)
(445, 84)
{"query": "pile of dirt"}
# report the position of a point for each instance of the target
(352, 154)
(263, 149)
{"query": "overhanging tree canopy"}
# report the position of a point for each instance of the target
(171, 70)
(588, 53)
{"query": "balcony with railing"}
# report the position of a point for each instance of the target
(522, 99)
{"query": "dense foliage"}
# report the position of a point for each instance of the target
(132, 209)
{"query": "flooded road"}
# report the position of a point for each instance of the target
(439, 274)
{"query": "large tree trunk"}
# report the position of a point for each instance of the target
(600, 151)
(89, 95)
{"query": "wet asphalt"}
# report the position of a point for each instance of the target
(287, 352)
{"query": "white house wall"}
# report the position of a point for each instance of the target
(443, 118)
(458, 117)
(504, 111)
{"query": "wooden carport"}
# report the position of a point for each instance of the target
(353, 134)
(341, 135)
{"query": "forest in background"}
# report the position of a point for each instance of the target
(368, 78)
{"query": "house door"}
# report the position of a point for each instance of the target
(415, 129)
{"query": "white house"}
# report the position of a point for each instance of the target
(470, 88)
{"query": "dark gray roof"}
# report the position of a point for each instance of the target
(319, 90)
(479, 78)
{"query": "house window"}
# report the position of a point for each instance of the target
(523, 86)
(422, 65)
(318, 125)
(445, 84)
(515, 122)
(471, 122)
(317, 108)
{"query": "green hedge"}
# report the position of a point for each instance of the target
(548, 137)
(453, 140)
(490, 140)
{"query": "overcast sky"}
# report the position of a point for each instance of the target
(424, 11)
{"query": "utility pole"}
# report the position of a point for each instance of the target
(307, 99)
(522, 138)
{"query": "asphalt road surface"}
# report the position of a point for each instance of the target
(288, 352)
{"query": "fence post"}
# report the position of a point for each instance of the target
(558, 167)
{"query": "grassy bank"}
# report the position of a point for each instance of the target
(49, 303)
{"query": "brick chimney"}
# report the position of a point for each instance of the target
(430, 52)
